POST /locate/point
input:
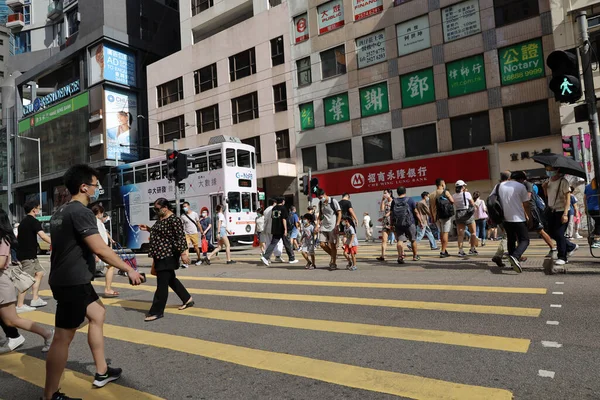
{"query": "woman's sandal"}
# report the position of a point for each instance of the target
(111, 295)
(380, 259)
(187, 305)
(150, 318)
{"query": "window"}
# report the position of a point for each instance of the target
(170, 92)
(420, 140)
(154, 171)
(309, 158)
(510, 11)
(214, 159)
(273, 3)
(242, 64)
(207, 119)
(280, 97)
(377, 148)
(233, 202)
(519, 124)
(1, 58)
(277, 56)
(205, 78)
(27, 13)
(72, 21)
(244, 108)
(1, 42)
(22, 42)
(201, 162)
(304, 72)
(339, 154)
(141, 174)
(230, 157)
(201, 5)
(1, 76)
(246, 202)
(282, 139)
(170, 129)
(333, 62)
(470, 131)
(243, 159)
(254, 141)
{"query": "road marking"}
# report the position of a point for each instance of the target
(560, 283)
(555, 305)
(557, 293)
(33, 370)
(555, 345)
(417, 305)
(460, 288)
(411, 386)
(546, 374)
(552, 322)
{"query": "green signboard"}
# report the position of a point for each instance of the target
(49, 114)
(521, 62)
(336, 109)
(307, 116)
(417, 88)
(466, 76)
(374, 100)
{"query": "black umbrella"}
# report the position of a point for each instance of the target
(566, 165)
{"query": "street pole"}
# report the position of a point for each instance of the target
(177, 207)
(40, 172)
(309, 187)
(582, 148)
(590, 92)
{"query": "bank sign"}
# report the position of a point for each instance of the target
(330, 16)
(43, 102)
(521, 62)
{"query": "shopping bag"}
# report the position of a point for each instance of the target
(256, 242)
(21, 279)
(204, 244)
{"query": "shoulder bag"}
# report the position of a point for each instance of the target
(21, 279)
(463, 216)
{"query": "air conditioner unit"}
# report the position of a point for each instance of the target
(594, 23)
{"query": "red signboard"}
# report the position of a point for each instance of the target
(366, 8)
(472, 166)
(301, 28)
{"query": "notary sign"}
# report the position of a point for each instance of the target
(366, 8)
(301, 28)
(461, 20)
(330, 16)
(370, 49)
(521, 62)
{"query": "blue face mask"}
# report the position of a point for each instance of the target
(96, 195)
(551, 173)
(185, 209)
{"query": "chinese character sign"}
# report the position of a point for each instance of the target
(330, 16)
(374, 100)
(417, 88)
(366, 8)
(112, 64)
(336, 109)
(307, 116)
(461, 20)
(413, 35)
(521, 62)
(466, 76)
(301, 28)
(370, 49)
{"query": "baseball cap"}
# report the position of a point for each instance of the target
(460, 182)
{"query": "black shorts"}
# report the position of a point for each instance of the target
(72, 303)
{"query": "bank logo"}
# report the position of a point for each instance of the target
(357, 180)
(110, 98)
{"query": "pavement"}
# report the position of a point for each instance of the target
(434, 329)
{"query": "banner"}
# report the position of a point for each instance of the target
(121, 125)
(413, 35)
(461, 20)
(466, 76)
(112, 64)
(366, 8)
(331, 16)
(301, 28)
(370, 49)
(521, 62)
(417, 88)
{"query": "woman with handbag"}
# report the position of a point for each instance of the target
(167, 245)
(8, 311)
(465, 217)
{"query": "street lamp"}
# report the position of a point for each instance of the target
(39, 164)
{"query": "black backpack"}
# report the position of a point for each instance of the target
(444, 207)
(495, 210)
(401, 213)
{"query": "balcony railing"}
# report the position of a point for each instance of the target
(15, 21)
(55, 9)
(15, 4)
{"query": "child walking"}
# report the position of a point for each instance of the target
(307, 245)
(351, 246)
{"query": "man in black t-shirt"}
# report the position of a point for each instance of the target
(347, 211)
(279, 231)
(75, 240)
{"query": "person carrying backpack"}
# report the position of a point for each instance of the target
(442, 210)
(404, 213)
(293, 222)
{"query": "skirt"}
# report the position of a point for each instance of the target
(7, 289)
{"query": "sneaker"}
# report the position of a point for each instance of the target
(279, 259)
(473, 252)
(62, 396)
(595, 245)
(461, 254)
(444, 254)
(578, 236)
(551, 253)
(483, 243)
(560, 262)
(498, 261)
(417, 258)
(38, 303)
(199, 262)
(48, 343)
(514, 263)
(230, 262)
(15, 343)
(333, 267)
(293, 261)
(206, 260)
(112, 374)
(400, 260)
(353, 268)
(572, 252)
(264, 261)
(25, 309)
(184, 266)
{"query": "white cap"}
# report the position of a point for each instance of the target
(460, 183)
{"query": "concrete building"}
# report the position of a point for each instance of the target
(232, 77)
(397, 92)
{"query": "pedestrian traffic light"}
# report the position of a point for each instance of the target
(565, 82)
(177, 169)
(303, 185)
(570, 148)
(314, 186)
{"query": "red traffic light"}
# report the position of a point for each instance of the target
(172, 154)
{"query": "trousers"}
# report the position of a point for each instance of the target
(286, 244)
(164, 280)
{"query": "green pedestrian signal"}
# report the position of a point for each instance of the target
(565, 82)
(565, 86)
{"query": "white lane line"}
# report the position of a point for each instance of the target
(555, 345)
(555, 305)
(557, 293)
(552, 322)
(560, 283)
(546, 374)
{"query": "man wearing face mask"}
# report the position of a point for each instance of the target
(191, 223)
(29, 230)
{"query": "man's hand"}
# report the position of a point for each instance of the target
(185, 258)
(564, 219)
(134, 277)
(336, 230)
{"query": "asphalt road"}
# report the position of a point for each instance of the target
(435, 329)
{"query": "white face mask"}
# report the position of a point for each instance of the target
(204, 214)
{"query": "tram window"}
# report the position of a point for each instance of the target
(140, 174)
(152, 213)
(244, 159)
(230, 157)
(233, 201)
(254, 202)
(116, 179)
(253, 160)
(153, 172)
(246, 203)
(214, 160)
(163, 167)
(200, 162)
(128, 177)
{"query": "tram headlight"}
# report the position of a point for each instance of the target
(248, 228)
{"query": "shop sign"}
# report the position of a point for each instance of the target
(370, 49)
(121, 126)
(415, 173)
(57, 111)
(466, 76)
(413, 35)
(301, 28)
(374, 100)
(112, 64)
(366, 8)
(522, 62)
(337, 109)
(43, 102)
(417, 88)
(331, 16)
(307, 116)
(461, 20)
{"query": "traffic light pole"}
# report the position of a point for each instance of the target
(309, 188)
(590, 92)
(177, 206)
(583, 158)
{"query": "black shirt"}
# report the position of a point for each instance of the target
(278, 215)
(72, 262)
(345, 206)
(28, 244)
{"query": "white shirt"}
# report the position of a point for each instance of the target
(221, 217)
(366, 221)
(102, 230)
(267, 215)
(512, 196)
(190, 227)
(462, 202)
